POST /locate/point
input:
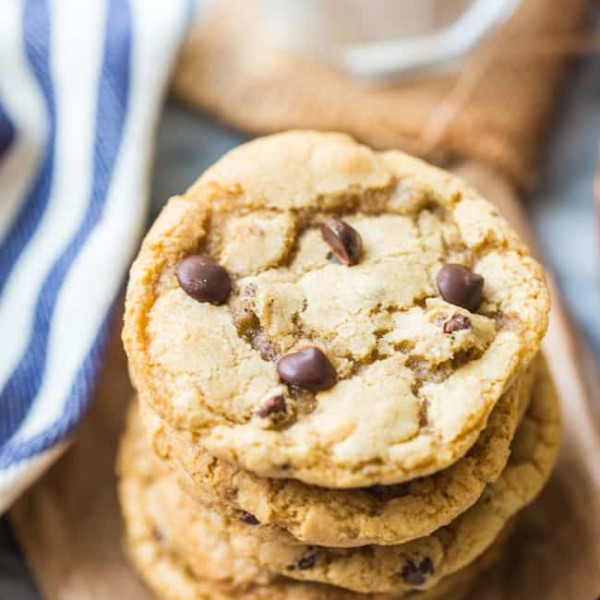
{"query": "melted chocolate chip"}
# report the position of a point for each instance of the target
(157, 534)
(273, 405)
(204, 279)
(460, 286)
(457, 322)
(307, 561)
(416, 574)
(308, 368)
(248, 518)
(345, 242)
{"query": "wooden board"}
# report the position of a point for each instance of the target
(69, 525)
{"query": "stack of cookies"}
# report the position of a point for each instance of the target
(340, 394)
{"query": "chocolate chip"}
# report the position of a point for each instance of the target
(204, 279)
(460, 286)
(157, 534)
(305, 562)
(416, 574)
(273, 405)
(308, 368)
(457, 322)
(248, 518)
(344, 241)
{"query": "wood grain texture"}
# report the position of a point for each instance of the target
(69, 524)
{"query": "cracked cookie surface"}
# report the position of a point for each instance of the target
(419, 564)
(354, 517)
(415, 377)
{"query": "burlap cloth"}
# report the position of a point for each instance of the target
(494, 109)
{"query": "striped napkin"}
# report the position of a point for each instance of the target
(81, 88)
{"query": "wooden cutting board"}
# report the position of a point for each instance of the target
(69, 525)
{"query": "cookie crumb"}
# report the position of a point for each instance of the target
(274, 405)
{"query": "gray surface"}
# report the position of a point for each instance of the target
(562, 212)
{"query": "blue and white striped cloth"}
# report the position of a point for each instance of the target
(81, 87)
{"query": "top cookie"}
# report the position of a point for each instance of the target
(312, 309)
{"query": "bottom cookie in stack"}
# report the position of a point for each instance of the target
(186, 550)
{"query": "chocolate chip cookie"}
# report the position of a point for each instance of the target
(311, 309)
(214, 571)
(419, 564)
(354, 517)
